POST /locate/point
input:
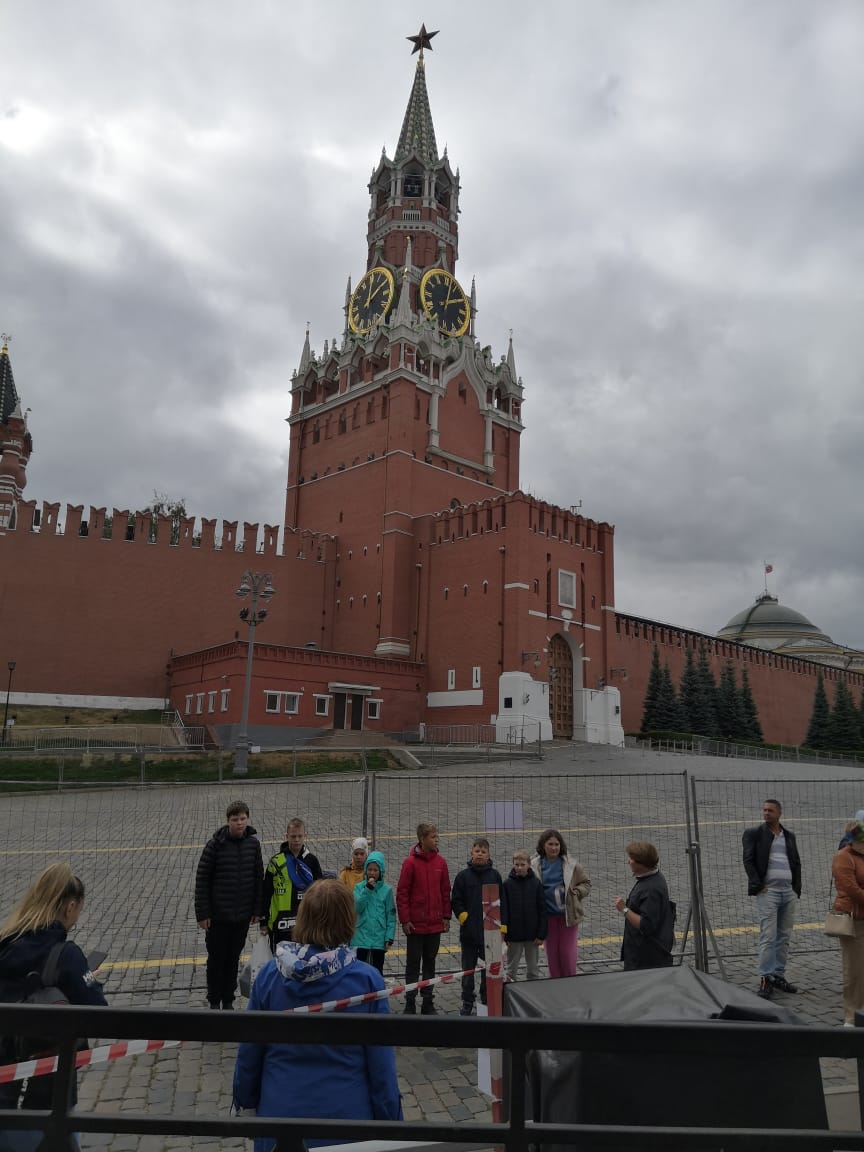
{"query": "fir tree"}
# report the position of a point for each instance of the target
(844, 731)
(652, 693)
(730, 718)
(749, 711)
(688, 693)
(668, 709)
(818, 734)
(703, 718)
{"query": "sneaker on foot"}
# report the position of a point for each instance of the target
(410, 1008)
(782, 984)
(466, 1010)
(428, 1009)
(766, 988)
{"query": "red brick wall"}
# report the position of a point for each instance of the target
(783, 687)
(83, 615)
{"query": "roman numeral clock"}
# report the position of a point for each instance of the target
(371, 300)
(444, 302)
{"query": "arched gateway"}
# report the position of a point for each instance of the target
(561, 687)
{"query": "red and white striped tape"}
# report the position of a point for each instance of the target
(45, 1065)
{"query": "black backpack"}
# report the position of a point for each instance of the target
(41, 988)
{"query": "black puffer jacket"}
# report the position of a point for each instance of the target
(523, 908)
(19, 957)
(467, 898)
(229, 877)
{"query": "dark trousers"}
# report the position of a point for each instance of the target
(471, 953)
(225, 940)
(420, 953)
(373, 956)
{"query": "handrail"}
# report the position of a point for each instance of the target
(517, 1036)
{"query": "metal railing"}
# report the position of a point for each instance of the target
(706, 746)
(460, 734)
(101, 738)
(517, 1131)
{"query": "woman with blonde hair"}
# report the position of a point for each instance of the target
(847, 868)
(346, 1081)
(33, 933)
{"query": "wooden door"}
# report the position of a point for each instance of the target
(561, 687)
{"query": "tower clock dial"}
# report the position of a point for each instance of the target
(371, 300)
(444, 301)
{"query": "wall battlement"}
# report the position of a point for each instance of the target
(124, 527)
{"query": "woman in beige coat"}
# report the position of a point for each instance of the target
(847, 868)
(565, 886)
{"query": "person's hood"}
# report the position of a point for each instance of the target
(223, 833)
(306, 962)
(29, 952)
(375, 858)
(422, 854)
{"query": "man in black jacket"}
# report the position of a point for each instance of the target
(773, 869)
(227, 899)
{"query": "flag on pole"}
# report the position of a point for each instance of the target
(769, 568)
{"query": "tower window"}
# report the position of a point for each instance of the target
(413, 185)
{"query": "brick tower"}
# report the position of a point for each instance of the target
(15, 444)
(407, 415)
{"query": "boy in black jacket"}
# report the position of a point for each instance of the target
(467, 902)
(227, 899)
(523, 917)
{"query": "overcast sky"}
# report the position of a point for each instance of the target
(663, 200)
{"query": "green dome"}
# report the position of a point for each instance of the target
(768, 622)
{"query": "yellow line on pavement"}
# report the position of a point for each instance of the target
(576, 831)
(447, 949)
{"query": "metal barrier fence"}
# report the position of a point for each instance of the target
(596, 816)
(518, 1037)
(137, 848)
(100, 738)
(815, 810)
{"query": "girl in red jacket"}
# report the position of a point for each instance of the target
(423, 907)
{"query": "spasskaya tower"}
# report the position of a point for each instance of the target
(407, 415)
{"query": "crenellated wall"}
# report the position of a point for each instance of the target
(783, 686)
(93, 615)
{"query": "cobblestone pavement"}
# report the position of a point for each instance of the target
(137, 849)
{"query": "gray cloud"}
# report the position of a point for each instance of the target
(662, 201)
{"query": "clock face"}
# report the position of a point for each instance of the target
(371, 300)
(444, 302)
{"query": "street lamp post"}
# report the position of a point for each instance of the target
(11, 666)
(258, 584)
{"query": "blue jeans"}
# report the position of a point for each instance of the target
(776, 908)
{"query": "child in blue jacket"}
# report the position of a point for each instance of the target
(376, 913)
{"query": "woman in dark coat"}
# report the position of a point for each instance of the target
(649, 914)
(46, 913)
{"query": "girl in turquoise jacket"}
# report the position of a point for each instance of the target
(376, 913)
